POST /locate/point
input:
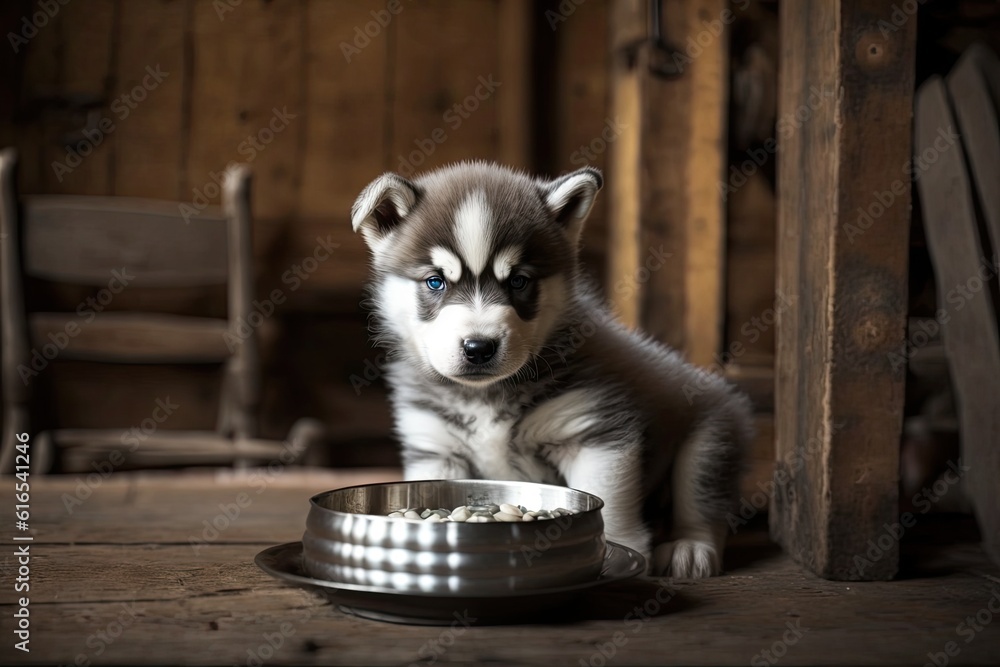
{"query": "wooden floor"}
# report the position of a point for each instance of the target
(130, 577)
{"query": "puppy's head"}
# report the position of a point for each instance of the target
(473, 263)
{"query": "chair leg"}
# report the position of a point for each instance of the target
(43, 453)
(304, 439)
(15, 420)
(237, 420)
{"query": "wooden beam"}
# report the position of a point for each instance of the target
(845, 111)
(664, 173)
(624, 188)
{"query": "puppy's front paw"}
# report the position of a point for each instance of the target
(687, 559)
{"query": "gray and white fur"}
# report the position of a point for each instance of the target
(505, 365)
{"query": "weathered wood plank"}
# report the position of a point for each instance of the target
(148, 591)
(963, 270)
(121, 239)
(839, 397)
(214, 607)
(348, 137)
(750, 273)
(580, 91)
(674, 173)
(515, 121)
(135, 337)
(151, 135)
(35, 138)
(445, 84)
(87, 46)
(107, 450)
(970, 86)
(624, 188)
(105, 504)
(246, 101)
(705, 150)
(344, 90)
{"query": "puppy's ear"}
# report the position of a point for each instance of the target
(571, 197)
(382, 205)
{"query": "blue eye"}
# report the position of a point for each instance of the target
(518, 282)
(435, 283)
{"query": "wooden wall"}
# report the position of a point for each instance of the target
(359, 88)
(356, 104)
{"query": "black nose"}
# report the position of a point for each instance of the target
(479, 351)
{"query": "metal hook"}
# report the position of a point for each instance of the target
(661, 61)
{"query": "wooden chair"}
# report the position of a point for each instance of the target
(961, 214)
(80, 240)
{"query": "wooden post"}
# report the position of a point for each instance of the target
(241, 385)
(664, 174)
(845, 112)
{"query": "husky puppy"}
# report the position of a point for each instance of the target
(505, 365)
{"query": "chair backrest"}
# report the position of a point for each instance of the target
(96, 241)
(77, 240)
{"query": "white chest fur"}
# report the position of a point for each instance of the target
(477, 431)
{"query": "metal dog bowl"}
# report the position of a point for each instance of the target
(349, 539)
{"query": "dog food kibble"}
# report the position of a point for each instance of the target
(478, 514)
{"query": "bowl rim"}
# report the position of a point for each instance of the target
(314, 500)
